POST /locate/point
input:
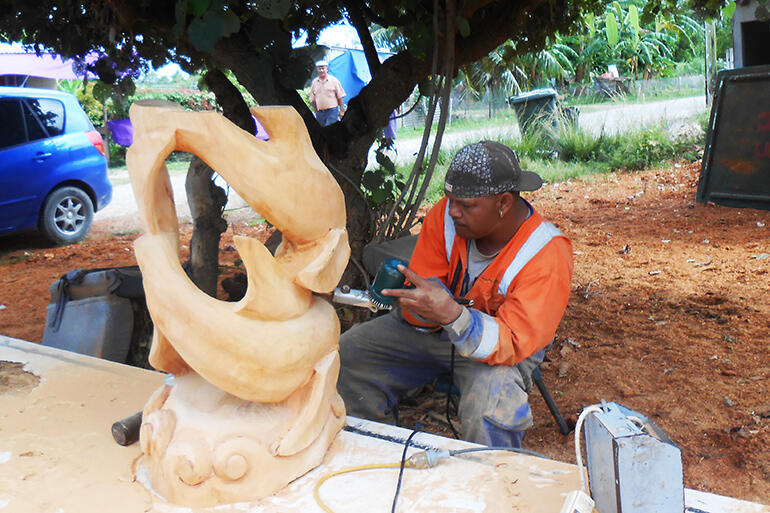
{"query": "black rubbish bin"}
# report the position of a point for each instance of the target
(535, 108)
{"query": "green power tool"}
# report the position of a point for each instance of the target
(388, 277)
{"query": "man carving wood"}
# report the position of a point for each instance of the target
(481, 243)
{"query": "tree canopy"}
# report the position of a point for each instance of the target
(253, 40)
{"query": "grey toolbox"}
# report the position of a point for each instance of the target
(633, 466)
(91, 312)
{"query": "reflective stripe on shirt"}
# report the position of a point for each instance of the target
(449, 233)
(536, 241)
(479, 339)
(489, 335)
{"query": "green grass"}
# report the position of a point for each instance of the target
(632, 97)
(464, 120)
(569, 152)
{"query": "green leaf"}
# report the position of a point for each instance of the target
(379, 196)
(591, 23)
(180, 11)
(204, 32)
(102, 91)
(201, 35)
(426, 86)
(230, 22)
(420, 39)
(463, 26)
(612, 29)
(198, 7)
(372, 180)
(728, 10)
(618, 9)
(273, 9)
(633, 19)
(384, 161)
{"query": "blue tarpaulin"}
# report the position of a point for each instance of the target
(352, 71)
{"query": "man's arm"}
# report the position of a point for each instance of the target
(311, 96)
(340, 97)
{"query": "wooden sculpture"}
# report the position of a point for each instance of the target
(253, 403)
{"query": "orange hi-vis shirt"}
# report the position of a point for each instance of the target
(518, 300)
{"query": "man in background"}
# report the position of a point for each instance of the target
(327, 96)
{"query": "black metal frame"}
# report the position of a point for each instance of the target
(706, 190)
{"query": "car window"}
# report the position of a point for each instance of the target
(45, 117)
(12, 128)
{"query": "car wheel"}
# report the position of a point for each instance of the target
(67, 215)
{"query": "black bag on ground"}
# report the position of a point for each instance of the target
(91, 312)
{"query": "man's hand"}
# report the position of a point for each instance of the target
(428, 299)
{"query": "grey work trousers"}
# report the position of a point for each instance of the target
(383, 358)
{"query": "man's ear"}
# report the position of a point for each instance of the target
(507, 200)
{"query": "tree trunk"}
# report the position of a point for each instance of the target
(206, 202)
(348, 171)
(489, 102)
(342, 146)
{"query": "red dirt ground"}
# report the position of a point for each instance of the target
(669, 315)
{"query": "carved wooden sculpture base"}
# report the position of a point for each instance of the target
(254, 403)
(204, 447)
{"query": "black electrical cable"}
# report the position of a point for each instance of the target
(449, 393)
(401, 471)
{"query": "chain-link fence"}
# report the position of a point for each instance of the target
(465, 107)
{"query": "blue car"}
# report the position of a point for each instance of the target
(53, 172)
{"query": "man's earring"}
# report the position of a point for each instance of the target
(501, 213)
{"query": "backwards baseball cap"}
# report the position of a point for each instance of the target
(487, 168)
(321, 63)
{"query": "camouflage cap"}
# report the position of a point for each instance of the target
(487, 168)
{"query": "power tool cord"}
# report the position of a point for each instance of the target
(578, 452)
(316, 491)
(423, 459)
(401, 471)
(449, 393)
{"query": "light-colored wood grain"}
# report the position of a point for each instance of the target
(254, 403)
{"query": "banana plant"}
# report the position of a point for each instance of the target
(641, 48)
(497, 71)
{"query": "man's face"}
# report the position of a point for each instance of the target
(322, 71)
(474, 218)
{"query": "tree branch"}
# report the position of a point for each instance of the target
(389, 19)
(490, 27)
(231, 100)
(255, 71)
(362, 27)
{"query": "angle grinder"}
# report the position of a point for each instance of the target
(388, 277)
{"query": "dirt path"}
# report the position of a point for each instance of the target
(669, 315)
